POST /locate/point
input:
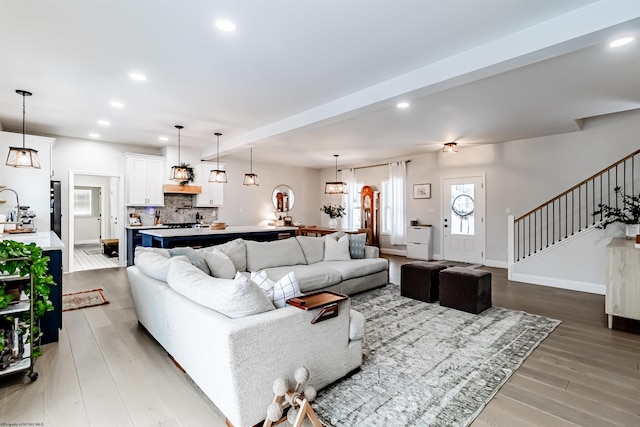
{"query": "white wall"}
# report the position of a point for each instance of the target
(250, 205)
(520, 175)
(32, 185)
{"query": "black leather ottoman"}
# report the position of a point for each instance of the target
(420, 280)
(466, 289)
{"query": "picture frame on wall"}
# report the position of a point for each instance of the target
(421, 191)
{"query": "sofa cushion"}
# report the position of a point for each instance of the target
(356, 245)
(232, 298)
(196, 258)
(278, 292)
(312, 247)
(336, 250)
(261, 255)
(310, 277)
(155, 264)
(220, 264)
(356, 267)
(235, 250)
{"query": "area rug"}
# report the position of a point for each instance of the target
(83, 299)
(92, 249)
(426, 365)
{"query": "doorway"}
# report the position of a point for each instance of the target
(463, 213)
(95, 204)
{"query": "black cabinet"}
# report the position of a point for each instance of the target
(51, 322)
(134, 238)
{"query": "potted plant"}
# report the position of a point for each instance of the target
(626, 212)
(17, 258)
(334, 211)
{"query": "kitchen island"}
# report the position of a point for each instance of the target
(200, 237)
(52, 246)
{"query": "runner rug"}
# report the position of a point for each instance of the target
(426, 365)
(83, 299)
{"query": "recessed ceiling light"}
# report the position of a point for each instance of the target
(163, 138)
(104, 123)
(403, 104)
(226, 25)
(621, 41)
(117, 104)
(137, 76)
(94, 135)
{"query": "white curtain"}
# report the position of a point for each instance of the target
(349, 176)
(398, 191)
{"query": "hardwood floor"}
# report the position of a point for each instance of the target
(106, 371)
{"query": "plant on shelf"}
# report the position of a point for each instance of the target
(626, 212)
(334, 211)
(17, 258)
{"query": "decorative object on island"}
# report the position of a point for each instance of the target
(628, 213)
(22, 157)
(217, 225)
(181, 172)
(251, 178)
(295, 401)
(450, 147)
(22, 259)
(335, 187)
(334, 211)
(218, 175)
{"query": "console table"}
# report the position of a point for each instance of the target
(622, 297)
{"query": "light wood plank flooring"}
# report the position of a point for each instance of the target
(106, 371)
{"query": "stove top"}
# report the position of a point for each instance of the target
(180, 225)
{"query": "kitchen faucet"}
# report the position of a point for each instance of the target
(17, 201)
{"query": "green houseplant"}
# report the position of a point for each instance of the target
(334, 211)
(627, 211)
(17, 258)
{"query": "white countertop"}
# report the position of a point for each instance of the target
(47, 240)
(183, 232)
(145, 227)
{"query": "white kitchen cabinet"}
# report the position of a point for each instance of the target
(419, 242)
(212, 193)
(145, 175)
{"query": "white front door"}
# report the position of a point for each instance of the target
(463, 219)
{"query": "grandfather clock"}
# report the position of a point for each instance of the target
(370, 202)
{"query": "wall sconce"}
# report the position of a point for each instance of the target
(450, 147)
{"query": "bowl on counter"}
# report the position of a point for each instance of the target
(217, 225)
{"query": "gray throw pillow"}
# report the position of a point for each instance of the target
(194, 257)
(356, 245)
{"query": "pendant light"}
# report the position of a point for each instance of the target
(180, 171)
(450, 147)
(218, 175)
(23, 157)
(335, 187)
(251, 178)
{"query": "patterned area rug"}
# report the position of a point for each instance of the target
(83, 299)
(426, 365)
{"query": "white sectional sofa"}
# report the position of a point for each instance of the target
(230, 339)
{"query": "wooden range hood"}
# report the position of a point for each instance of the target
(181, 189)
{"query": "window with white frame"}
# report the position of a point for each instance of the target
(82, 202)
(385, 207)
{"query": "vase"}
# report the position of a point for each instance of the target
(333, 223)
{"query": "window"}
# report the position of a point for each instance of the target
(82, 201)
(385, 208)
(353, 200)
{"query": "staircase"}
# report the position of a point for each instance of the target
(558, 243)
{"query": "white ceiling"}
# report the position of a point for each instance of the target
(303, 80)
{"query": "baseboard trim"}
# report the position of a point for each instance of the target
(592, 288)
(495, 263)
(389, 251)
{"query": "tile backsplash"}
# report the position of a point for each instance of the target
(178, 208)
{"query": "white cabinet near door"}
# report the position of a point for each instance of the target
(212, 193)
(419, 242)
(144, 180)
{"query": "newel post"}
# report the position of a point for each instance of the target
(510, 245)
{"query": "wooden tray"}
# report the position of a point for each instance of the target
(20, 230)
(327, 301)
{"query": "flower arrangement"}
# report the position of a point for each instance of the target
(334, 211)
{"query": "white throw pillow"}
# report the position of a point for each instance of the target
(220, 264)
(337, 250)
(278, 292)
(232, 298)
(156, 265)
